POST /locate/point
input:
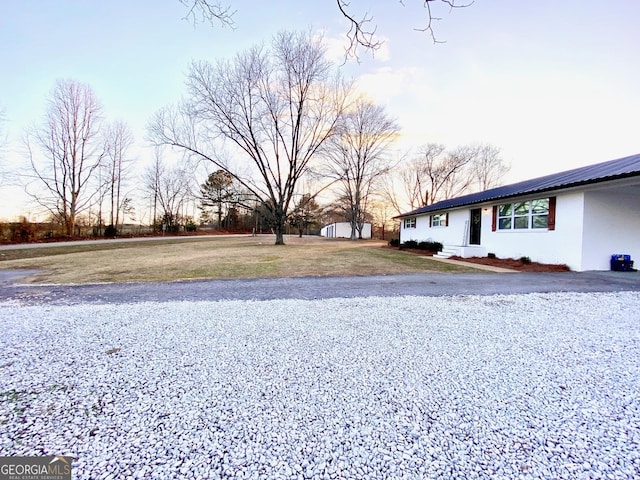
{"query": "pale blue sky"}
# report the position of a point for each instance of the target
(554, 84)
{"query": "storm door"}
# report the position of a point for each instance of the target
(476, 224)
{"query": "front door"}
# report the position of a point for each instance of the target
(476, 224)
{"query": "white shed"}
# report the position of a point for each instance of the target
(343, 230)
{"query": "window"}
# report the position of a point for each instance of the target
(410, 222)
(439, 220)
(532, 214)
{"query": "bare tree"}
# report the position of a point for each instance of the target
(118, 140)
(421, 176)
(357, 156)
(151, 181)
(437, 174)
(65, 152)
(488, 167)
(170, 188)
(276, 107)
(362, 32)
(454, 174)
(382, 213)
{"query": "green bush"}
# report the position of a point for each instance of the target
(190, 226)
(394, 242)
(525, 260)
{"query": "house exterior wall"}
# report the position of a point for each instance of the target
(611, 226)
(449, 235)
(562, 245)
(594, 214)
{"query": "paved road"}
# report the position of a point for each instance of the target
(433, 284)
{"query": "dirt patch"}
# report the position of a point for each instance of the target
(515, 264)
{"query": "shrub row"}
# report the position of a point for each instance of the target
(428, 246)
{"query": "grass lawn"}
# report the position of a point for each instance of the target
(215, 257)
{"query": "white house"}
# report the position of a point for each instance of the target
(579, 218)
(343, 230)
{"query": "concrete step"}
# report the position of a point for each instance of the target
(460, 251)
(448, 251)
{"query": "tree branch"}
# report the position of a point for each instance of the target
(429, 28)
(209, 11)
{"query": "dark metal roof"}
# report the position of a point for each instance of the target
(600, 172)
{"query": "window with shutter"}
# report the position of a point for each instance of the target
(440, 220)
(528, 215)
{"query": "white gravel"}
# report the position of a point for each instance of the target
(523, 386)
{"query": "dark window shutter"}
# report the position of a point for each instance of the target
(430, 220)
(551, 225)
(494, 218)
(446, 219)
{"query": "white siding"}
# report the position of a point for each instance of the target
(452, 234)
(562, 245)
(611, 226)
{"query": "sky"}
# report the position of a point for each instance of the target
(553, 85)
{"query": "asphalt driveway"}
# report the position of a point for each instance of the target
(432, 284)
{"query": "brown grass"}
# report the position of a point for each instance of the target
(215, 257)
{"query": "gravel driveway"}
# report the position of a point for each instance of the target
(536, 385)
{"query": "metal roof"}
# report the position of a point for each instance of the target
(600, 172)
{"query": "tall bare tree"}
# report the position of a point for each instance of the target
(453, 176)
(118, 140)
(169, 187)
(488, 167)
(357, 156)
(419, 176)
(274, 106)
(65, 151)
(437, 174)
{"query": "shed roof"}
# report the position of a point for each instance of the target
(600, 172)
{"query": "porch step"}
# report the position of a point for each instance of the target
(448, 251)
(460, 251)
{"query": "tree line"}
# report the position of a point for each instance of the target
(276, 127)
